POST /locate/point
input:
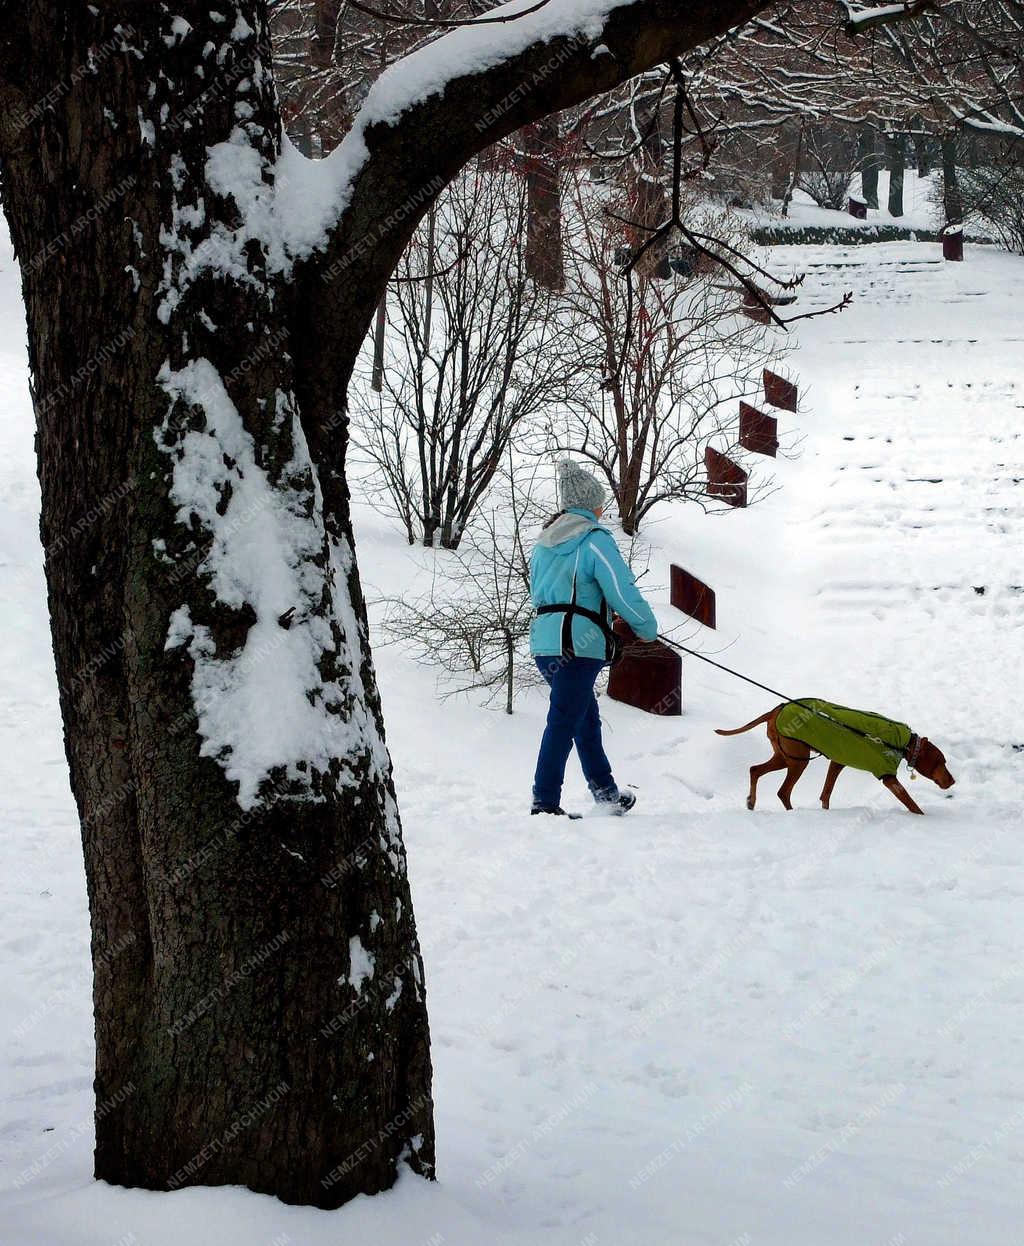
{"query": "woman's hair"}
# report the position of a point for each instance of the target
(549, 522)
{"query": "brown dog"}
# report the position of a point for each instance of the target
(793, 756)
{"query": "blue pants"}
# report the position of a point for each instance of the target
(573, 718)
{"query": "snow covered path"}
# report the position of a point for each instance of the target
(696, 1025)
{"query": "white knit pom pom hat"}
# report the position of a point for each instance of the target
(579, 488)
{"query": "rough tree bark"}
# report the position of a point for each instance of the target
(264, 1020)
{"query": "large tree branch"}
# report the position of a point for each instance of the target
(435, 109)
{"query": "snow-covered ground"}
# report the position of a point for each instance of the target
(922, 199)
(696, 1025)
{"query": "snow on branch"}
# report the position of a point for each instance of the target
(465, 90)
(989, 125)
(859, 18)
(315, 193)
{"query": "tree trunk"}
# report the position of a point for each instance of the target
(510, 672)
(264, 1022)
(896, 153)
(650, 199)
(451, 534)
(380, 324)
(922, 150)
(628, 507)
(428, 284)
(544, 258)
(869, 165)
(779, 169)
(326, 17)
(952, 200)
(795, 167)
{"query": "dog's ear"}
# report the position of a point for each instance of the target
(929, 758)
(931, 762)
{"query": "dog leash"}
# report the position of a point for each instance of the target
(774, 691)
(728, 669)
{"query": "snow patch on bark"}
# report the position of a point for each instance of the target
(396, 992)
(361, 964)
(342, 566)
(180, 630)
(267, 705)
(237, 168)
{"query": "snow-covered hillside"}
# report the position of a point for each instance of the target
(696, 1024)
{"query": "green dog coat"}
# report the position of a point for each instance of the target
(824, 727)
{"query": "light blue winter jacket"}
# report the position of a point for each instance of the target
(576, 546)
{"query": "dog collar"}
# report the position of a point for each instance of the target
(912, 750)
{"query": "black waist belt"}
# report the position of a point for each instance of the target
(611, 641)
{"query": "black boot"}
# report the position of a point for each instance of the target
(616, 802)
(556, 810)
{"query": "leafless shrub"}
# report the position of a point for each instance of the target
(993, 196)
(475, 348)
(830, 160)
(475, 621)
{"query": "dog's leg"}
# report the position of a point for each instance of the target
(834, 768)
(777, 762)
(901, 793)
(794, 769)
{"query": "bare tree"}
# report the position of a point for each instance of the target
(666, 362)
(317, 96)
(328, 52)
(961, 61)
(477, 348)
(955, 66)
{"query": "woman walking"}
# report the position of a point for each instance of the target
(577, 577)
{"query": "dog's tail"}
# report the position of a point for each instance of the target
(739, 730)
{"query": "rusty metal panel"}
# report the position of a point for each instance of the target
(726, 479)
(758, 432)
(778, 392)
(649, 677)
(692, 596)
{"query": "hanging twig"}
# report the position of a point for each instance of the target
(718, 250)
